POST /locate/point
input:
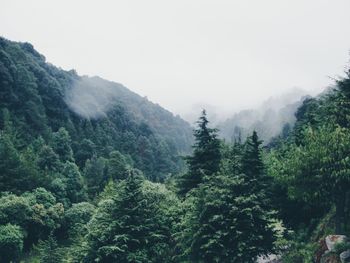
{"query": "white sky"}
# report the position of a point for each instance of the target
(229, 54)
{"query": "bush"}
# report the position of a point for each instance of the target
(11, 242)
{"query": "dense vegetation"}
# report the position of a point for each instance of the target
(39, 100)
(110, 186)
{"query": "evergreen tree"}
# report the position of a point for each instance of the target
(225, 222)
(61, 144)
(130, 227)
(75, 188)
(49, 251)
(18, 171)
(85, 150)
(95, 174)
(252, 164)
(48, 160)
(205, 159)
(117, 166)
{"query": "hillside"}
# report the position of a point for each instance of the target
(39, 98)
(273, 117)
(92, 172)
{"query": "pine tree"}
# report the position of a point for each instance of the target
(117, 166)
(226, 223)
(129, 227)
(95, 175)
(205, 159)
(49, 251)
(76, 191)
(62, 145)
(252, 164)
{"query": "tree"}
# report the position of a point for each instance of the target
(61, 144)
(15, 209)
(252, 164)
(205, 159)
(47, 214)
(224, 222)
(12, 175)
(76, 217)
(75, 188)
(86, 149)
(95, 174)
(130, 227)
(317, 172)
(11, 243)
(48, 160)
(49, 251)
(117, 166)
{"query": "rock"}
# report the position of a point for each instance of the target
(345, 256)
(332, 240)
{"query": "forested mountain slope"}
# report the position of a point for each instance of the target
(273, 117)
(78, 156)
(37, 99)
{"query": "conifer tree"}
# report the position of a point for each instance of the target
(62, 145)
(129, 227)
(227, 222)
(206, 156)
(252, 164)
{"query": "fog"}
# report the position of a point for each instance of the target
(90, 98)
(268, 119)
(225, 55)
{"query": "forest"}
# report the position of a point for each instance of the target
(134, 185)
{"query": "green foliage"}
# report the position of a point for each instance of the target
(49, 251)
(74, 185)
(35, 101)
(55, 163)
(77, 217)
(227, 218)
(12, 173)
(11, 243)
(132, 226)
(48, 160)
(61, 144)
(117, 166)
(205, 159)
(95, 174)
(37, 213)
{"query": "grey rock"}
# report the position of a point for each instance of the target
(332, 240)
(345, 256)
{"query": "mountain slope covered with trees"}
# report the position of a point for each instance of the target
(38, 99)
(91, 172)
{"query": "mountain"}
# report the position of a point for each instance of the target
(39, 98)
(273, 117)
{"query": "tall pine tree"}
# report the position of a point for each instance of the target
(205, 160)
(227, 219)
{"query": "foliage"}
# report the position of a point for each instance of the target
(11, 242)
(205, 159)
(82, 188)
(228, 219)
(132, 226)
(49, 251)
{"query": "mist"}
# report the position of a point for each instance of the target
(91, 98)
(268, 119)
(231, 55)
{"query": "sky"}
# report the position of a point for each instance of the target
(186, 54)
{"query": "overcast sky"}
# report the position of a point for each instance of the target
(230, 54)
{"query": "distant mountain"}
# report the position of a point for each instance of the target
(39, 98)
(274, 116)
